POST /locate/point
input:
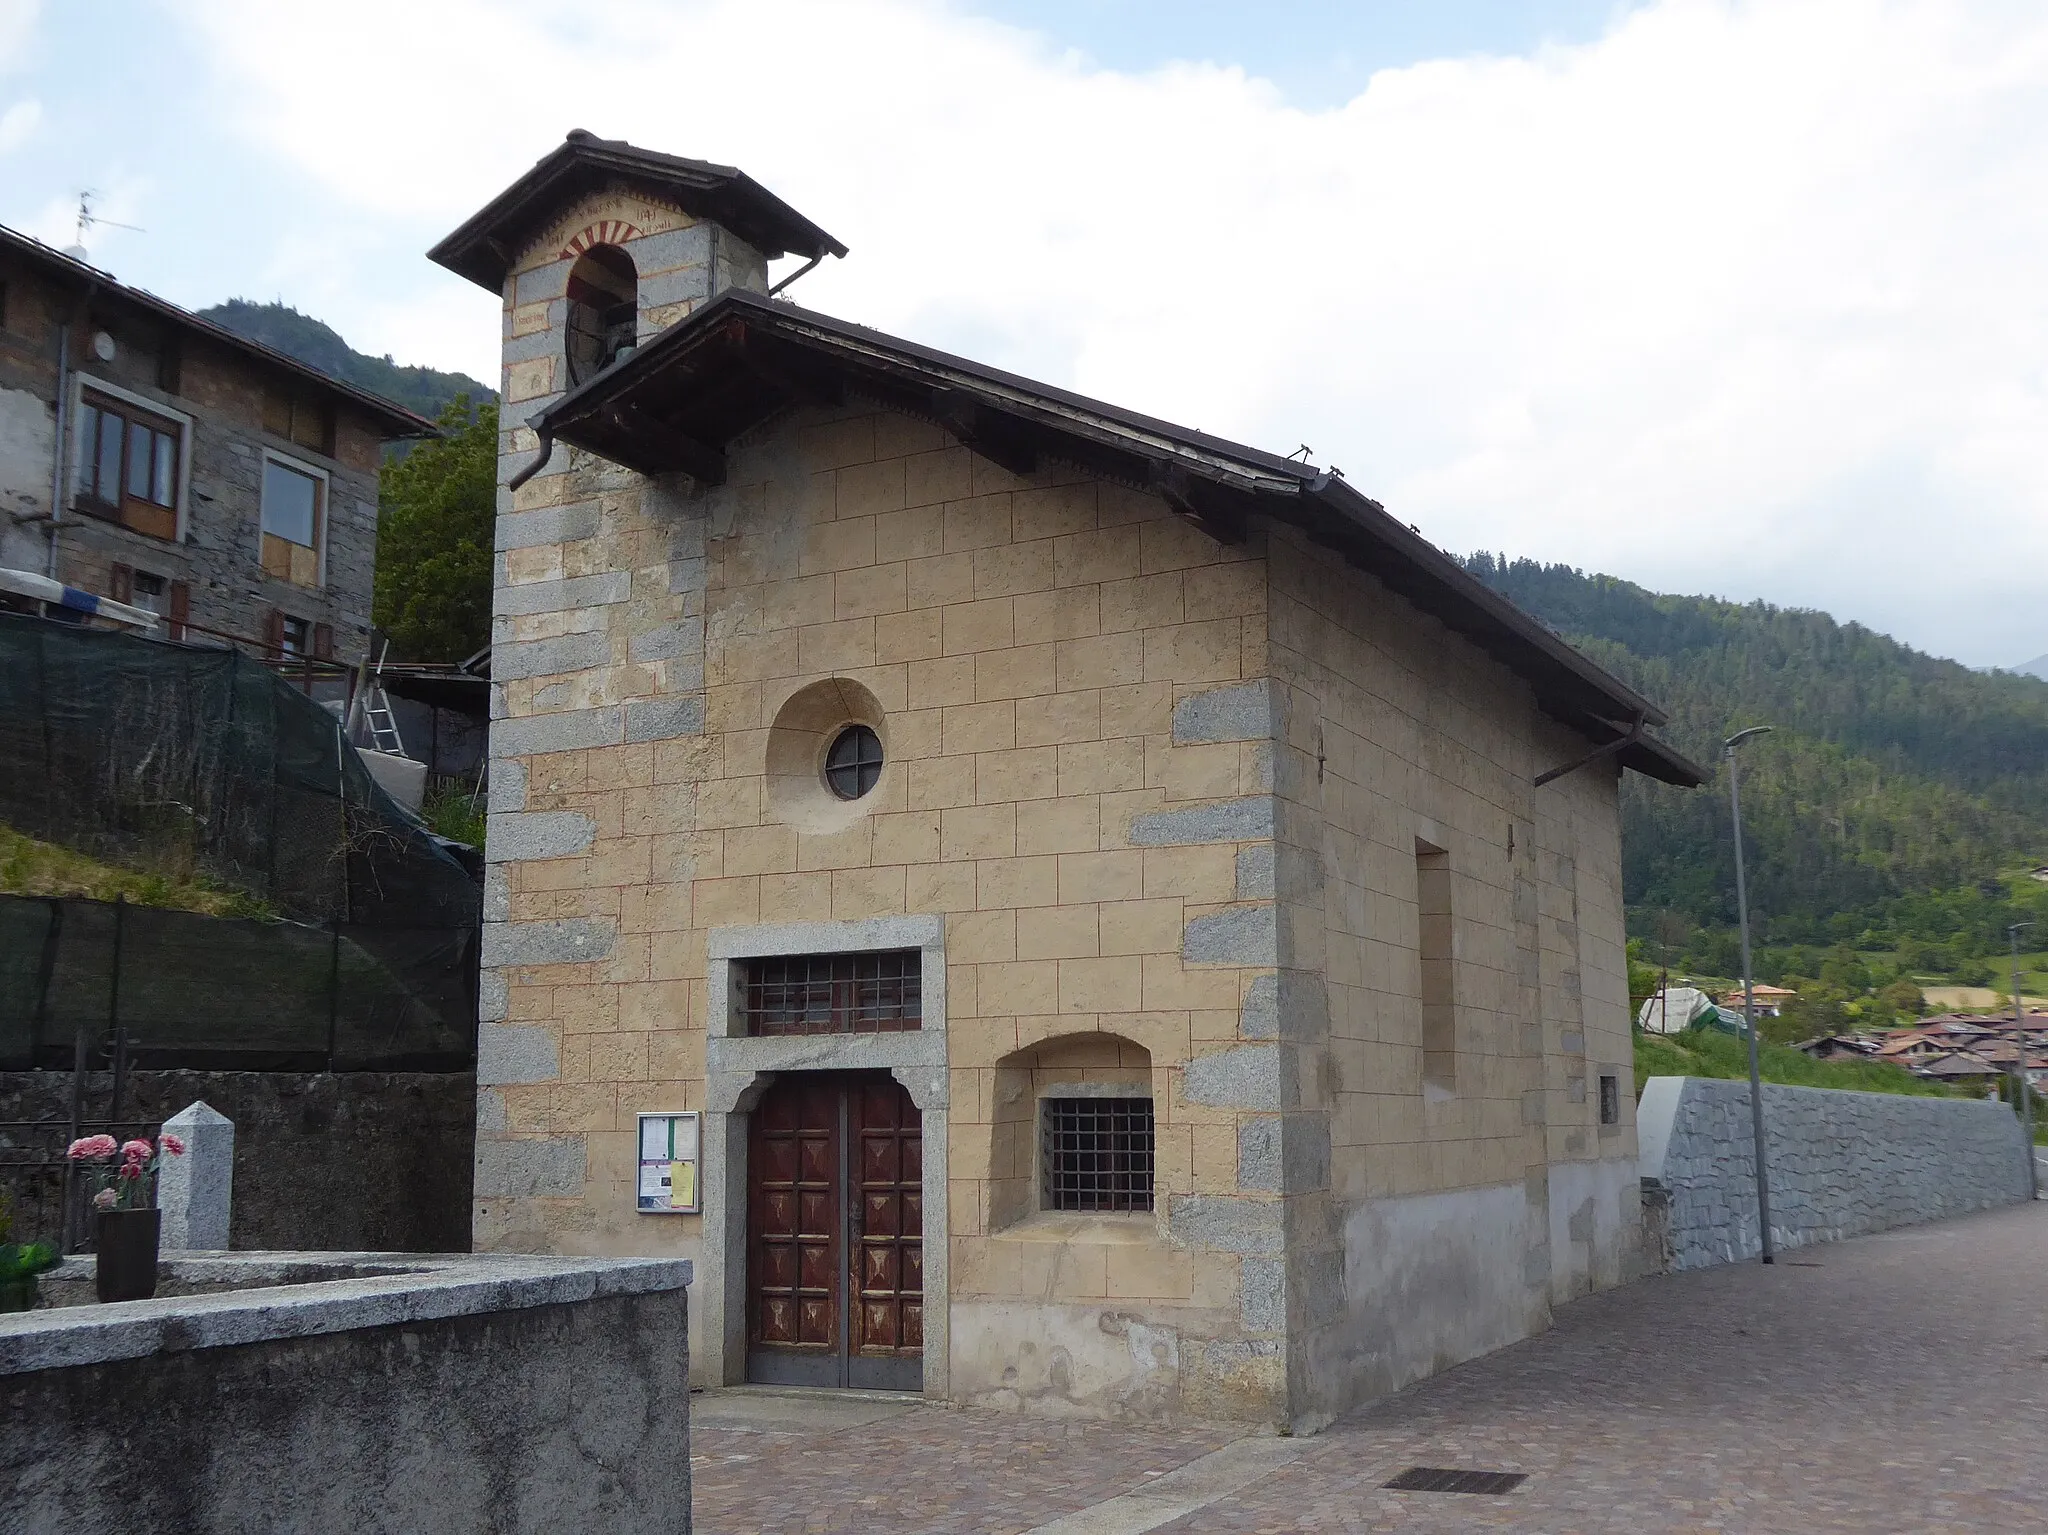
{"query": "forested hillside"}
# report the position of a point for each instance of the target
(426, 391)
(1892, 812)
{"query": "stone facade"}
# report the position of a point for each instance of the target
(1159, 800)
(213, 389)
(1841, 1164)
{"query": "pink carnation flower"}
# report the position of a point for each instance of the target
(104, 1200)
(172, 1144)
(129, 1169)
(138, 1151)
(92, 1147)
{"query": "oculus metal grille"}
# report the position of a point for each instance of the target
(854, 764)
(1098, 1153)
(835, 993)
(1450, 1479)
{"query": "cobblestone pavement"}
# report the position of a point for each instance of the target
(1895, 1382)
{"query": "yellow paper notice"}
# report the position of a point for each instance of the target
(682, 1185)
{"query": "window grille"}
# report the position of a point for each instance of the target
(835, 993)
(1098, 1153)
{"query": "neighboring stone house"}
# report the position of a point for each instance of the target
(204, 477)
(1106, 891)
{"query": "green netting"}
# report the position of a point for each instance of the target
(176, 988)
(177, 758)
(161, 755)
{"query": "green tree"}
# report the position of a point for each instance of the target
(437, 514)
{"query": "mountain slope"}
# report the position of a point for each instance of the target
(1894, 794)
(426, 391)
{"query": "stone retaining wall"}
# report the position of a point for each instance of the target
(1841, 1164)
(398, 1393)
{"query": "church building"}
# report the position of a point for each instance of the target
(1047, 908)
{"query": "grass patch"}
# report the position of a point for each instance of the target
(29, 867)
(1710, 1053)
(455, 815)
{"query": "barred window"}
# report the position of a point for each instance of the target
(1097, 1153)
(835, 993)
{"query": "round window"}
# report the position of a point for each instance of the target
(854, 762)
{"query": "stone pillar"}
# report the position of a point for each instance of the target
(194, 1190)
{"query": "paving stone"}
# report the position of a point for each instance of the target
(1818, 1395)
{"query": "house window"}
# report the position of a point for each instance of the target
(604, 311)
(295, 636)
(1439, 1002)
(1610, 1100)
(1096, 1153)
(293, 509)
(128, 466)
(880, 993)
(149, 592)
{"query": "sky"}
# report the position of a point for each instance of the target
(1722, 297)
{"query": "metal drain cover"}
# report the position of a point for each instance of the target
(1450, 1479)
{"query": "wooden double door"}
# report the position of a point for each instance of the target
(835, 1234)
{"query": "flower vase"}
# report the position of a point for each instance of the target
(124, 1266)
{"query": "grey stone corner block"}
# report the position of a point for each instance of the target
(195, 1191)
(519, 659)
(1241, 1077)
(663, 719)
(605, 589)
(1262, 1295)
(1236, 935)
(508, 1053)
(523, 1169)
(520, 836)
(1290, 1004)
(507, 791)
(567, 941)
(1223, 1223)
(534, 735)
(546, 525)
(493, 996)
(1231, 820)
(668, 642)
(1241, 712)
(1255, 872)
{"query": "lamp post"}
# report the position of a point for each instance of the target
(2019, 1031)
(1756, 1086)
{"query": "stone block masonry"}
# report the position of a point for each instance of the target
(1841, 1164)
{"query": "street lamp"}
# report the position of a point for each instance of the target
(1756, 1086)
(2019, 1032)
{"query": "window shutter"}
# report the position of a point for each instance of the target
(323, 642)
(121, 582)
(273, 633)
(181, 608)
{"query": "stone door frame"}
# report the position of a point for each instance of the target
(739, 1069)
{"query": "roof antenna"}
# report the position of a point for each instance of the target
(87, 219)
(1305, 451)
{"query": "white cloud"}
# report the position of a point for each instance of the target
(1741, 297)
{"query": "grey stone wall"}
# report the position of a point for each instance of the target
(1840, 1164)
(348, 1161)
(477, 1395)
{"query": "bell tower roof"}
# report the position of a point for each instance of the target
(486, 244)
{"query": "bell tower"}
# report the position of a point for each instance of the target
(601, 246)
